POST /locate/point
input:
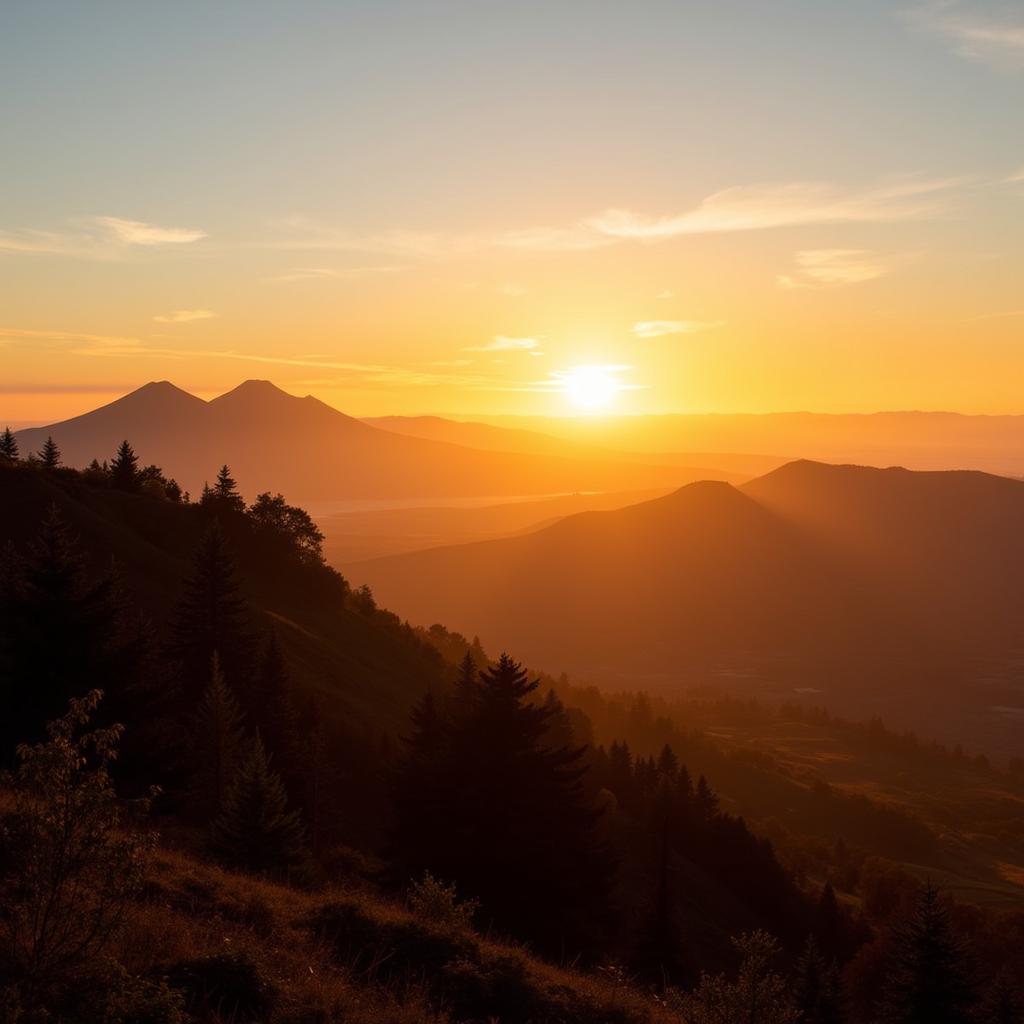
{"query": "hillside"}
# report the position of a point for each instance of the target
(314, 453)
(367, 669)
(826, 580)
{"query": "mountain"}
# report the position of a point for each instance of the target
(917, 440)
(867, 589)
(314, 453)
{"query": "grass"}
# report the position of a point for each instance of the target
(241, 949)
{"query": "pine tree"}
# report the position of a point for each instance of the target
(483, 802)
(828, 927)
(217, 739)
(211, 618)
(668, 763)
(256, 831)
(467, 684)
(124, 470)
(49, 456)
(928, 981)
(61, 633)
(267, 700)
(224, 494)
(1002, 1003)
(8, 446)
(817, 988)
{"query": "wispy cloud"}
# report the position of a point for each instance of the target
(1016, 178)
(987, 32)
(661, 328)
(562, 381)
(137, 232)
(758, 207)
(97, 238)
(822, 268)
(184, 316)
(503, 343)
(334, 273)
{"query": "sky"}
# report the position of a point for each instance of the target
(452, 206)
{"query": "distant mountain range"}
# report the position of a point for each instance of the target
(314, 453)
(917, 440)
(870, 590)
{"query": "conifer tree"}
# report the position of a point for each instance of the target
(928, 981)
(828, 926)
(49, 456)
(1002, 1003)
(217, 740)
(211, 618)
(256, 830)
(61, 633)
(467, 683)
(817, 988)
(224, 493)
(124, 470)
(8, 446)
(485, 803)
(267, 700)
(668, 763)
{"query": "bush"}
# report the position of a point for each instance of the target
(437, 903)
(228, 984)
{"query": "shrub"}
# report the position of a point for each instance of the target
(431, 899)
(228, 984)
(71, 864)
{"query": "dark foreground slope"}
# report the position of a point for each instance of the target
(873, 589)
(367, 668)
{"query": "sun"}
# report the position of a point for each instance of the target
(590, 388)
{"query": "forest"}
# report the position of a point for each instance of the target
(235, 789)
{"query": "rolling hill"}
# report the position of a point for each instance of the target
(875, 591)
(316, 454)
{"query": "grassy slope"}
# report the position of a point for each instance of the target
(345, 954)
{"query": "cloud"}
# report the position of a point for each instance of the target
(661, 328)
(1016, 178)
(184, 316)
(137, 232)
(560, 381)
(103, 238)
(333, 273)
(503, 343)
(758, 207)
(990, 33)
(666, 294)
(822, 268)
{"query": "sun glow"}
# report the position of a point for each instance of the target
(591, 388)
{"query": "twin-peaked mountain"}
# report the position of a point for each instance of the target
(873, 590)
(314, 453)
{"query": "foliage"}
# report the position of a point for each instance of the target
(758, 995)
(256, 830)
(277, 522)
(438, 903)
(73, 859)
(49, 456)
(228, 984)
(124, 470)
(8, 446)
(216, 745)
(929, 976)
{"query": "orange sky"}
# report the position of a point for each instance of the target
(412, 214)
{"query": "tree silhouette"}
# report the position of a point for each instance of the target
(8, 446)
(256, 831)
(61, 633)
(49, 456)
(124, 470)
(928, 981)
(224, 495)
(817, 988)
(211, 618)
(72, 862)
(482, 800)
(217, 739)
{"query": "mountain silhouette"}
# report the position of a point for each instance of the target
(870, 587)
(314, 453)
